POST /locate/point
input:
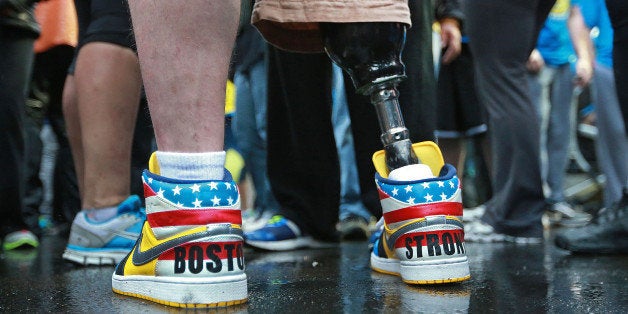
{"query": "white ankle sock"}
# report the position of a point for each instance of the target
(192, 166)
(101, 214)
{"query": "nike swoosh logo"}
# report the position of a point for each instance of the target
(390, 240)
(141, 258)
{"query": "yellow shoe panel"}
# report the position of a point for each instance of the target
(428, 153)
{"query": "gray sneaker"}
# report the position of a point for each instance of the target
(565, 215)
(479, 231)
(353, 228)
(18, 239)
(473, 213)
(108, 242)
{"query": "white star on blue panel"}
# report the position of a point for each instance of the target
(195, 188)
(195, 194)
(176, 190)
(426, 191)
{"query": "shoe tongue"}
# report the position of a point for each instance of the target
(411, 173)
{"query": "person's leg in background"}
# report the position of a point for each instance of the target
(65, 198)
(354, 218)
(108, 85)
(611, 142)
(250, 122)
(192, 205)
(16, 61)
(44, 105)
(461, 124)
(55, 53)
(36, 106)
(608, 233)
(100, 124)
(514, 212)
(303, 165)
(552, 92)
(539, 84)
(618, 10)
(559, 133)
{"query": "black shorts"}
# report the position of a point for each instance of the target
(106, 21)
(459, 111)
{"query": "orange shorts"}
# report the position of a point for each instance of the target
(293, 24)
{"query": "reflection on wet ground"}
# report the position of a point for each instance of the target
(505, 278)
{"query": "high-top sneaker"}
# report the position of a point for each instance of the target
(423, 235)
(189, 253)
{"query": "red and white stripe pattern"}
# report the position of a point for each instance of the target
(174, 206)
(403, 202)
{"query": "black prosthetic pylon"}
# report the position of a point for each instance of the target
(371, 54)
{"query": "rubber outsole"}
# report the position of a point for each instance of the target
(421, 273)
(182, 305)
(184, 292)
(94, 258)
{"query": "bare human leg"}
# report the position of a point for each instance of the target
(108, 86)
(185, 59)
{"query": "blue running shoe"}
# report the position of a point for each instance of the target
(281, 234)
(108, 242)
(376, 234)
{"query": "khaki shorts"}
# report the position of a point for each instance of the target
(293, 24)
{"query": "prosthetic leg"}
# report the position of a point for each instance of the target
(422, 236)
(371, 54)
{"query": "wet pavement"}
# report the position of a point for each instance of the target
(505, 278)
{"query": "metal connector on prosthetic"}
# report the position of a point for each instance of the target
(371, 54)
(395, 136)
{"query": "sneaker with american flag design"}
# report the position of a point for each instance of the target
(422, 238)
(190, 251)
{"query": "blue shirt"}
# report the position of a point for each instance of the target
(554, 42)
(596, 17)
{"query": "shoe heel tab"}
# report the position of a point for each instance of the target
(428, 152)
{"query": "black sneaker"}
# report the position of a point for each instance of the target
(608, 233)
(353, 228)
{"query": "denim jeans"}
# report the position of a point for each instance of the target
(611, 144)
(552, 90)
(350, 199)
(249, 127)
